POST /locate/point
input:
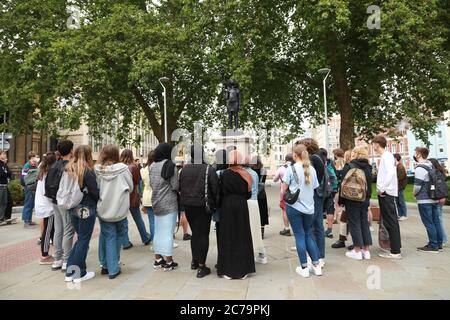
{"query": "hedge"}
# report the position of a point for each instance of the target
(17, 192)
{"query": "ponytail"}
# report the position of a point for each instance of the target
(306, 164)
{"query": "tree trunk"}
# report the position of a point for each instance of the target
(342, 93)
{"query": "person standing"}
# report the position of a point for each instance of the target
(199, 195)
(329, 208)
(278, 176)
(147, 195)
(319, 166)
(81, 167)
(402, 179)
(5, 177)
(44, 209)
(428, 207)
(29, 181)
(64, 231)
(357, 211)
(440, 168)
(235, 255)
(126, 157)
(387, 190)
(164, 183)
(302, 176)
(255, 216)
(258, 167)
(115, 183)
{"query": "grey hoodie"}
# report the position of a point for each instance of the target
(115, 183)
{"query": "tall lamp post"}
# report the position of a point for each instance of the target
(325, 72)
(161, 80)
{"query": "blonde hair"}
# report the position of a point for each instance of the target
(360, 152)
(300, 151)
(348, 156)
(81, 160)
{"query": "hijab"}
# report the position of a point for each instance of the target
(235, 161)
(164, 152)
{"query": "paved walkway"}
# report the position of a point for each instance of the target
(417, 276)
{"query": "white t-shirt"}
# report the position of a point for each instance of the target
(43, 206)
(387, 175)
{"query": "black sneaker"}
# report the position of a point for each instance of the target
(159, 265)
(115, 275)
(129, 246)
(170, 266)
(441, 249)
(428, 248)
(147, 243)
(104, 271)
(202, 272)
(329, 233)
(194, 265)
(338, 244)
(285, 232)
(187, 237)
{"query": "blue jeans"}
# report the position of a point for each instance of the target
(318, 229)
(28, 205)
(84, 228)
(151, 222)
(441, 220)
(401, 204)
(137, 217)
(110, 241)
(301, 225)
(429, 213)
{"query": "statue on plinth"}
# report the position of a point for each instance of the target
(233, 98)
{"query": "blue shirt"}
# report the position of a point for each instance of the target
(255, 181)
(305, 201)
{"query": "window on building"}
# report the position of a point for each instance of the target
(394, 148)
(439, 134)
(441, 148)
(401, 147)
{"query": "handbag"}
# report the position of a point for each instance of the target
(207, 208)
(291, 197)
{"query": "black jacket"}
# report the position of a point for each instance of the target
(367, 168)
(192, 186)
(5, 173)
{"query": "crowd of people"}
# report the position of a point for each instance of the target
(68, 191)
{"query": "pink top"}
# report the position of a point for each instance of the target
(279, 174)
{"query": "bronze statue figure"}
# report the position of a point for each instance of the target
(233, 97)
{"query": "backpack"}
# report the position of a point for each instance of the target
(354, 185)
(324, 189)
(52, 180)
(30, 179)
(69, 194)
(333, 177)
(438, 187)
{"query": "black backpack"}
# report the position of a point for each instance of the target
(438, 187)
(53, 179)
(324, 189)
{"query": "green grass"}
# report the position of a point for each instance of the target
(408, 193)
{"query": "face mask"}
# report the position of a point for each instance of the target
(415, 159)
(36, 160)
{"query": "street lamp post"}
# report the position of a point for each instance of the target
(161, 80)
(326, 72)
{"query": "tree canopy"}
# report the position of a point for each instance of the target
(106, 72)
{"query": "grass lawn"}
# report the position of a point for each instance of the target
(408, 193)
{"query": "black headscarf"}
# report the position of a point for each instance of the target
(197, 154)
(164, 152)
(221, 160)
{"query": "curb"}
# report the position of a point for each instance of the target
(410, 205)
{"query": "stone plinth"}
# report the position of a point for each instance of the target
(235, 139)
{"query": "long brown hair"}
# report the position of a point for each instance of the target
(47, 162)
(301, 152)
(438, 166)
(109, 155)
(80, 162)
(127, 156)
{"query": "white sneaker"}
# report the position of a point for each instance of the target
(64, 266)
(244, 277)
(87, 276)
(354, 255)
(390, 256)
(304, 272)
(68, 279)
(261, 258)
(366, 254)
(175, 245)
(317, 270)
(372, 229)
(293, 248)
(227, 277)
(321, 263)
(57, 264)
(402, 218)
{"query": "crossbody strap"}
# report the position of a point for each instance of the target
(206, 185)
(297, 180)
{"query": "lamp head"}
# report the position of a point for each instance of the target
(164, 79)
(324, 71)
